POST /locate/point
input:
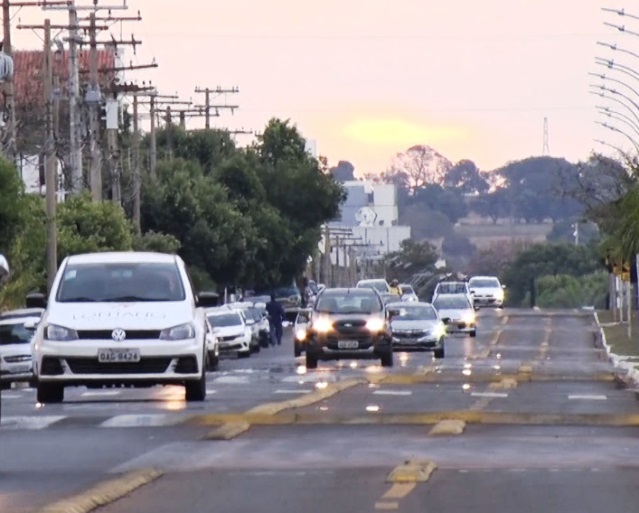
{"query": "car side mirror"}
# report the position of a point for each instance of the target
(503, 287)
(36, 300)
(208, 299)
(476, 308)
(31, 325)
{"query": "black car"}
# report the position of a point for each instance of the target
(349, 324)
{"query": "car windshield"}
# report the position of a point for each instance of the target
(482, 283)
(15, 333)
(451, 288)
(121, 282)
(449, 303)
(225, 320)
(378, 285)
(407, 289)
(416, 313)
(348, 302)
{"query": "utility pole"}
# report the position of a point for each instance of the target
(208, 107)
(75, 147)
(50, 162)
(137, 181)
(10, 148)
(158, 102)
(94, 99)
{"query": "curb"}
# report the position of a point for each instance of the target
(448, 428)
(103, 493)
(632, 375)
(412, 472)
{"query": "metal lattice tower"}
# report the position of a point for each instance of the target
(546, 149)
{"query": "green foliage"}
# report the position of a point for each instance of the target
(156, 243)
(566, 291)
(413, 257)
(11, 205)
(547, 260)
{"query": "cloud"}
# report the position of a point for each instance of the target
(398, 133)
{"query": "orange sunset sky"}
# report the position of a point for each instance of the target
(367, 78)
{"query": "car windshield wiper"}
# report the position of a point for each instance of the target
(124, 299)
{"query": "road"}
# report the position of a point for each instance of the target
(528, 416)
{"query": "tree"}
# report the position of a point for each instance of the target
(495, 259)
(344, 171)
(548, 260)
(156, 242)
(448, 202)
(466, 178)
(281, 141)
(12, 205)
(458, 245)
(424, 222)
(422, 165)
(413, 257)
(495, 205)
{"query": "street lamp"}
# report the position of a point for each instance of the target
(617, 49)
(617, 148)
(622, 118)
(616, 81)
(611, 64)
(615, 129)
(621, 28)
(617, 93)
(620, 12)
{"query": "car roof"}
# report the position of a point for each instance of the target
(402, 304)
(484, 278)
(219, 310)
(345, 290)
(370, 280)
(445, 296)
(124, 257)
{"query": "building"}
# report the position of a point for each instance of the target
(371, 212)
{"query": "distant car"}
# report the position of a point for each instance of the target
(487, 291)
(408, 293)
(16, 360)
(299, 330)
(388, 298)
(212, 348)
(417, 327)
(258, 323)
(457, 312)
(453, 287)
(378, 284)
(349, 324)
(231, 330)
(289, 297)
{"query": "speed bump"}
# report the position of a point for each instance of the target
(412, 472)
(104, 493)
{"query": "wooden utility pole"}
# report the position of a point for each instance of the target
(10, 147)
(137, 180)
(50, 163)
(208, 107)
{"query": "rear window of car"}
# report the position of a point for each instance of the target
(349, 303)
(225, 320)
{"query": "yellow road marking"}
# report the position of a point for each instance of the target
(228, 431)
(448, 427)
(386, 505)
(399, 491)
(104, 493)
(412, 472)
(504, 319)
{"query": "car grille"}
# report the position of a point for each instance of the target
(411, 333)
(130, 334)
(156, 365)
(18, 359)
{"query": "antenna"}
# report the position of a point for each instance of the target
(546, 148)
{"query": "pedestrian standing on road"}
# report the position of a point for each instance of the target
(275, 320)
(395, 289)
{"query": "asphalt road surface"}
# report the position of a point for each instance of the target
(528, 416)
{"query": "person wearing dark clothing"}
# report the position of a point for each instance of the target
(275, 320)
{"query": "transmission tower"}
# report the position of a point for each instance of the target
(546, 149)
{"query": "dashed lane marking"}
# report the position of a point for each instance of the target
(105, 393)
(235, 380)
(292, 391)
(488, 394)
(393, 392)
(399, 491)
(386, 505)
(589, 397)
(412, 472)
(151, 420)
(27, 422)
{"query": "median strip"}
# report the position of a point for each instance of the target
(103, 493)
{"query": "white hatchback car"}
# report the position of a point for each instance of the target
(121, 318)
(231, 330)
(16, 360)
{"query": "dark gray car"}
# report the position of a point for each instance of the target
(349, 324)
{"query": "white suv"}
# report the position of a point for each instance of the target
(487, 291)
(127, 318)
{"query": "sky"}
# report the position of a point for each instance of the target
(366, 79)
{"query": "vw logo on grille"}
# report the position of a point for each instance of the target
(348, 325)
(118, 335)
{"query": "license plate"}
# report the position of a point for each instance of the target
(348, 344)
(19, 369)
(118, 355)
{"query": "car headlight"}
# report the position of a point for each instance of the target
(375, 325)
(440, 330)
(181, 332)
(60, 333)
(499, 295)
(322, 325)
(300, 334)
(469, 318)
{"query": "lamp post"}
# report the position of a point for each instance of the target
(621, 118)
(634, 111)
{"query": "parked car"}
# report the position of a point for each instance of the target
(16, 334)
(258, 323)
(453, 287)
(231, 330)
(212, 348)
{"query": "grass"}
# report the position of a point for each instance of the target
(617, 334)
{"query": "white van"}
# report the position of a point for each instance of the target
(117, 319)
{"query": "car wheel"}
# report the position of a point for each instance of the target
(244, 354)
(387, 358)
(256, 348)
(311, 361)
(5, 386)
(195, 391)
(297, 349)
(473, 333)
(50, 393)
(439, 352)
